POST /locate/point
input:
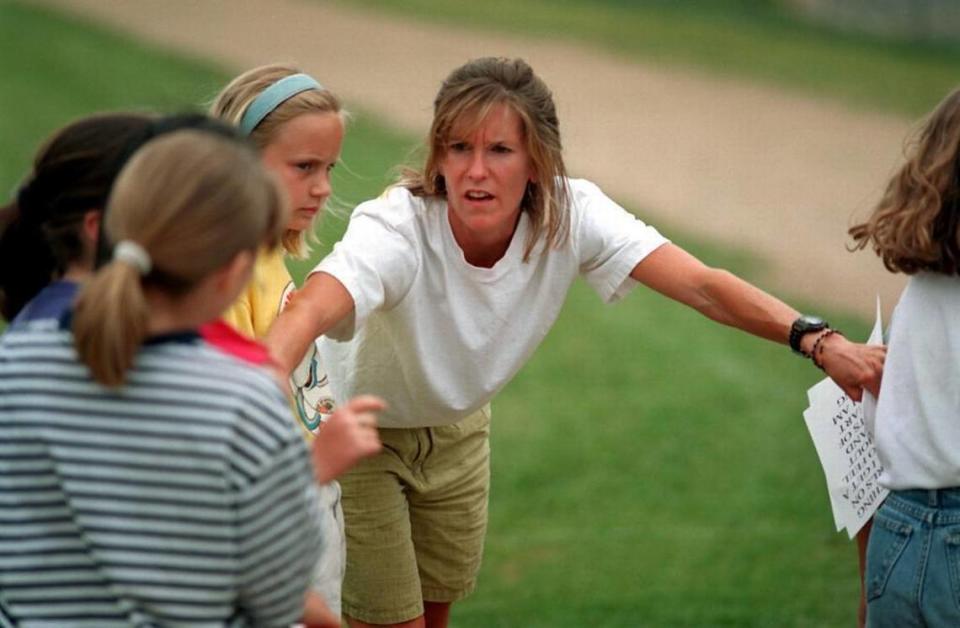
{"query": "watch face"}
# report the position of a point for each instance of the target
(812, 322)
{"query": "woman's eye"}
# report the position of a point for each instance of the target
(500, 148)
(458, 147)
(305, 166)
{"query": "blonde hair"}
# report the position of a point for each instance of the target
(916, 225)
(192, 200)
(239, 94)
(465, 99)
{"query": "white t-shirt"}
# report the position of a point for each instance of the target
(918, 412)
(436, 337)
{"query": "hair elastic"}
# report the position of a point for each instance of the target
(271, 98)
(132, 253)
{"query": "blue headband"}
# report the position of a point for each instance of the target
(271, 98)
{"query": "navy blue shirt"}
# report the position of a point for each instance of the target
(51, 302)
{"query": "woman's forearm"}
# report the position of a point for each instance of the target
(728, 299)
(320, 304)
(717, 294)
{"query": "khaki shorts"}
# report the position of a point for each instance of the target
(415, 518)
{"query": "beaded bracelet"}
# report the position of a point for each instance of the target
(818, 346)
(814, 348)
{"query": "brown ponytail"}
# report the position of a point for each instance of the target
(111, 321)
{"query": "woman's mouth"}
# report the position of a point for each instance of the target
(478, 195)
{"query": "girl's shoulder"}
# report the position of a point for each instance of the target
(194, 359)
(270, 256)
(930, 288)
(36, 339)
(227, 365)
(242, 392)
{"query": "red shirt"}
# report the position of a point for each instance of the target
(230, 341)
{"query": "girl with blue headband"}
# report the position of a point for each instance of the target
(298, 125)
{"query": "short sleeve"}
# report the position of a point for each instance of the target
(609, 240)
(377, 259)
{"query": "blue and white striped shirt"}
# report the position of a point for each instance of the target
(186, 497)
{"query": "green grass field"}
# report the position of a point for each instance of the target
(649, 467)
(753, 39)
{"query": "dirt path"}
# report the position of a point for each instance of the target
(775, 173)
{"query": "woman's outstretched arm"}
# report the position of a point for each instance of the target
(732, 301)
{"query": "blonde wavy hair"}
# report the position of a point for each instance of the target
(465, 99)
(192, 200)
(916, 225)
(232, 102)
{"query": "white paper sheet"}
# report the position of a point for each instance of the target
(842, 433)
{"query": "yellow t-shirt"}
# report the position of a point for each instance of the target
(252, 314)
(258, 305)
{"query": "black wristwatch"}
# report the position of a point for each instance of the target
(803, 326)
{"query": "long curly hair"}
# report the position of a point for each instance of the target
(916, 225)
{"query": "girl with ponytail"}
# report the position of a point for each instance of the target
(154, 479)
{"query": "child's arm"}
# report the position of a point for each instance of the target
(349, 435)
(316, 614)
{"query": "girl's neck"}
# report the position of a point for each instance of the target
(171, 314)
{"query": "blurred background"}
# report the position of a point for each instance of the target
(650, 468)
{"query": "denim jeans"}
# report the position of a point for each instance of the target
(913, 560)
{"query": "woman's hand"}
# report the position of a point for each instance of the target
(854, 367)
(348, 436)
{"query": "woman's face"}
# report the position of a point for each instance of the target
(302, 153)
(486, 173)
